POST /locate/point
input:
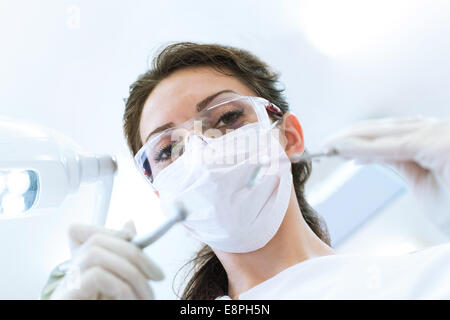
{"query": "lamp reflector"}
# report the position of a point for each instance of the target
(18, 191)
(18, 182)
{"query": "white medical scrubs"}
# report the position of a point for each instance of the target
(424, 274)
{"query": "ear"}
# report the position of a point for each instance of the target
(293, 135)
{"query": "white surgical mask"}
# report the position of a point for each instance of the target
(211, 180)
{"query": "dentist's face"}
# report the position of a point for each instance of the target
(174, 100)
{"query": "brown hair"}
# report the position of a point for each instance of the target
(209, 279)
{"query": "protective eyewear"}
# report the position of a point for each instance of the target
(214, 120)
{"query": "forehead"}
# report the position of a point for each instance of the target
(175, 98)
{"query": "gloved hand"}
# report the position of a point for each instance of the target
(105, 265)
(419, 148)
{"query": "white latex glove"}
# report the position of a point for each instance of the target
(418, 148)
(105, 265)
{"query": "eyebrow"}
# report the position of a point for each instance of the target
(200, 106)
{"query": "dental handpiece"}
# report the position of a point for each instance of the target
(304, 157)
(179, 215)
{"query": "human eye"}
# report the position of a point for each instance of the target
(163, 153)
(229, 119)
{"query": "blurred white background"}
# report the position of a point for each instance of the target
(68, 64)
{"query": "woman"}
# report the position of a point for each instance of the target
(262, 239)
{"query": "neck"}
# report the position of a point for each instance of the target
(293, 243)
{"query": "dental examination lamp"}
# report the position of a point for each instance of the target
(39, 168)
(46, 183)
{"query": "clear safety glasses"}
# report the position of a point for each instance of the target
(214, 120)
